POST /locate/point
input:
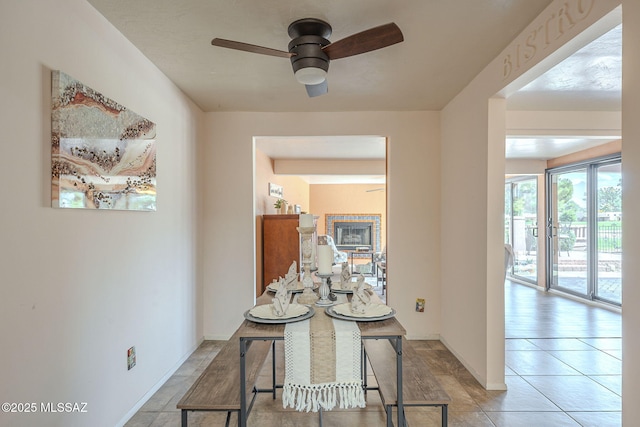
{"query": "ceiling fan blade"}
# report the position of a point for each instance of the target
(365, 41)
(317, 90)
(230, 44)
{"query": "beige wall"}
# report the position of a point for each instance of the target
(79, 287)
(631, 200)
(472, 207)
(296, 191)
(413, 187)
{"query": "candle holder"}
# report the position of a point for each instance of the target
(324, 291)
(308, 296)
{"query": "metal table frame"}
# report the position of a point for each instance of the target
(389, 329)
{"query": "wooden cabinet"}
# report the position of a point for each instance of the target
(280, 246)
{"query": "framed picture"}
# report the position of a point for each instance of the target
(276, 191)
(297, 209)
(103, 155)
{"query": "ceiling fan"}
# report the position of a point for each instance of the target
(310, 51)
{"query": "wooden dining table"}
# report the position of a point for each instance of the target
(389, 329)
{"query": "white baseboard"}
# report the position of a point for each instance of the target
(429, 337)
(217, 337)
(157, 386)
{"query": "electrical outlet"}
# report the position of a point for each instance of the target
(131, 358)
(420, 305)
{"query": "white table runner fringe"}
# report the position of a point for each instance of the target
(346, 391)
(326, 396)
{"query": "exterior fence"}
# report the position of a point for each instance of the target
(610, 238)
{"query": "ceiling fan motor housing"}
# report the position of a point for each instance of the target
(309, 37)
(308, 52)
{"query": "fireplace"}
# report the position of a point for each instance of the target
(351, 232)
(353, 235)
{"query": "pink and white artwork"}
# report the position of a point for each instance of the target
(103, 155)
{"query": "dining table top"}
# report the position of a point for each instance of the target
(368, 329)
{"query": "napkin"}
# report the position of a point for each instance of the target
(361, 297)
(291, 278)
(280, 303)
(345, 277)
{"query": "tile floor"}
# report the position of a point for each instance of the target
(563, 368)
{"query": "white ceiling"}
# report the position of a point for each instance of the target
(446, 44)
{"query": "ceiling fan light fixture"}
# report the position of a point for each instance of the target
(310, 51)
(311, 75)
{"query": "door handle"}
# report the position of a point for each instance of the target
(550, 229)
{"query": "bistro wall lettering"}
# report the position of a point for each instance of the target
(550, 27)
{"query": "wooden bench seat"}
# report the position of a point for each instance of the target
(218, 387)
(419, 386)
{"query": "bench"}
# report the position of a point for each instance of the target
(218, 387)
(420, 388)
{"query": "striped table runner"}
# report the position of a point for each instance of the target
(322, 364)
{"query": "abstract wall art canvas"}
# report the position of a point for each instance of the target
(103, 155)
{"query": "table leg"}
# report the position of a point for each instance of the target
(373, 264)
(399, 380)
(273, 368)
(351, 256)
(242, 415)
(445, 420)
(363, 365)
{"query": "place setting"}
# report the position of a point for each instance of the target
(281, 309)
(291, 281)
(348, 300)
(362, 307)
(346, 285)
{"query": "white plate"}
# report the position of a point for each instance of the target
(300, 288)
(291, 316)
(343, 312)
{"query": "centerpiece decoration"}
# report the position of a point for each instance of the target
(306, 228)
(325, 265)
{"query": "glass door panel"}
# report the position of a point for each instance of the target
(507, 222)
(524, 231)
(567, 231)
(584, 229)
(608, 270)
(507, 213)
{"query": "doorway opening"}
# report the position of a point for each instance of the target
(571, 316)
(324, 176)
